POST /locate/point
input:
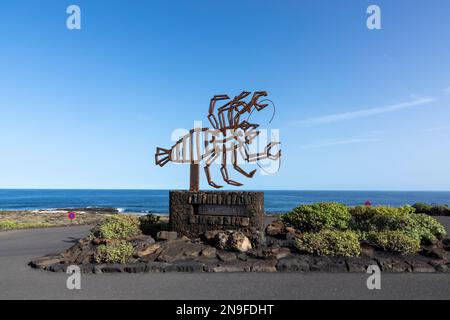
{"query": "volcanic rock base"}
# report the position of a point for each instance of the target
(194, 213)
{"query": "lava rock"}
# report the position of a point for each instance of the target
(154, 266)
(257, 253)
(242, 256)
(292, 230)
(148, 250)
(436, 252)
(442, 266)
(281, 243)
(46, 261)
(367, 251)
(272, 242)
(185, 238)
(135, 268)
(142, 241)
(239, 242)
(226, 256)
(257, 239)
(221, 240)
(167, 235)
(229, 240)
(81, 253)
(87, 268)
(394, 265)
(278, 253)
(58, 267)
(184, 266)
(292, 236)
(421, 266)
(328, 264)
(293, 264)
(240, 266)
(210, 235)
(276, 229)
(208, 252)
(446, 244)
(359, 264)
(179, 250)
(111, 268)
(265, 266)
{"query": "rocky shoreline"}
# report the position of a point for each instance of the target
(47, 218)
(29, 219)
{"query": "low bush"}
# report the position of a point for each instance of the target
(432, 210)
(394, 241)
(13, 225)
(115, 252)
(366, 219)
(333, 229)
(8, 225)
(422, 207)
(118, 226)
(151, 224)
(330, 243)
(318, 216)
(423, 228)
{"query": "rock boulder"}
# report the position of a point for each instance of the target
(229, 240)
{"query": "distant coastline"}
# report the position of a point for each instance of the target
(157, 201)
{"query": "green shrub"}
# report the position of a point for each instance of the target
(13, 225)
(151, 224)
(422, 208)
(115, 252)
(394, 241)
(8, 225)
(366, 219)
(330, 243)
(432, 210)
(362, 235)
(332, 229)
(442, 210)
(318, 216)
(374, 219)
(118, 226)
(423, 228)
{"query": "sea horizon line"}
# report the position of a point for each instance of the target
(228, 190)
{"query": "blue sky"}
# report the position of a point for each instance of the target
(356, 108)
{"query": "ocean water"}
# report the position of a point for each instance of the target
(157, 201)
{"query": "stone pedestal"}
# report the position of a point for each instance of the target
(193, 213)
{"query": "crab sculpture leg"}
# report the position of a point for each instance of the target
(208, 161)
(211, 116)
(212, 152)
(266, 154)
(224, 169)
(237, 167)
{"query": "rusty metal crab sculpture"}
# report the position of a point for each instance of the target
(229, 136)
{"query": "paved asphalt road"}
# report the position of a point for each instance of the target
(18, 281)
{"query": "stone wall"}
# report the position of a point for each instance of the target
(193, 213)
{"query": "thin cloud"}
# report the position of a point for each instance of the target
(363, 113)
(338, 143)
(447, 90)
